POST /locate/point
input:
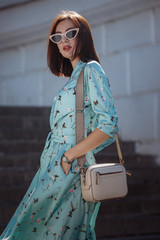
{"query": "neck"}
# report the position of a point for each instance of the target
(75, 61)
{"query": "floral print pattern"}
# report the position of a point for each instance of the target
(53, 207)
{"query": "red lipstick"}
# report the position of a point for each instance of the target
(66, 48)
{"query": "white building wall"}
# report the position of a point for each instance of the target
(127, 39)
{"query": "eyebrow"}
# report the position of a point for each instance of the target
(66, 29)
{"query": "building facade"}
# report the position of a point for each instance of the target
(127, 39)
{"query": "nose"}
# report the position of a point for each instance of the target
(64, 39)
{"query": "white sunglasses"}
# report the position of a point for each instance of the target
(70, 34)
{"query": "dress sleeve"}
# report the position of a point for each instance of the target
(102, 103)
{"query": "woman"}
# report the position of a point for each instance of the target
(53, 207)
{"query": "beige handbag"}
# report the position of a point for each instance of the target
(99, 181)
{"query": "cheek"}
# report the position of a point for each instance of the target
(59, 47)
(74, 44)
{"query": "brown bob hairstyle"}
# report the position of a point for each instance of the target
(85, 49)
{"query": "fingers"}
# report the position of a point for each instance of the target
(66, 172)
(66, 167)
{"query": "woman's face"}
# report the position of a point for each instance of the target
(66, 47)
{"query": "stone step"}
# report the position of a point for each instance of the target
(10, 178)
(24, 122)
(31, 161)
(145, 189)
(127, 225)
(8, 186)
(131, 160)
(12, 195)
(131, 205)
(6, 212)
(136, 192)
(28, 160)
(140, 177)
(24, 111)
(19, 147)
(126, 148)
(144, 175)
(128, 205)
(111, 225)
(23, 131)
(23, 134)
(144, 237)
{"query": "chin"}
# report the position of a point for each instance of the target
(67, 56)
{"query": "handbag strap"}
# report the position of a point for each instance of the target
(80, 116)
(80, 121)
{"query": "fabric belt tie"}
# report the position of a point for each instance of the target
(63, 138)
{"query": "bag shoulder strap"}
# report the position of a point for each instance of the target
(80, 120)
(80, 115)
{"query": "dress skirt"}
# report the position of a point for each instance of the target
(53, 207)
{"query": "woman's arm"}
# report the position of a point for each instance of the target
(102, 105)
(93, 140)
(87, 144)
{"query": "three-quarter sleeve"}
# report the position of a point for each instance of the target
(102, 103)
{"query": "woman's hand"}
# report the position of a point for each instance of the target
(66, 167)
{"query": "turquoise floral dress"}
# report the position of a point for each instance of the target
(53, 207)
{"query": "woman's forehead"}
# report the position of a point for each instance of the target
(65, 25)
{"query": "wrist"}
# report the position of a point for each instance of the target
(65, 160)
(69, 157)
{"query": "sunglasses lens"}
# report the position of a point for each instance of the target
(56, 38)
(71, 34)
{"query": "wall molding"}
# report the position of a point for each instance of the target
(119, 9)
(102, 14)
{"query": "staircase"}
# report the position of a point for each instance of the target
(23, 131)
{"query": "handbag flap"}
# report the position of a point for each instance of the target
(106, 168)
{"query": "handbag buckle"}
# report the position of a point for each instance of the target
(82, 170)
(79, 111)
(129, 173)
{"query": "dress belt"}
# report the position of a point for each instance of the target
(63, 138)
